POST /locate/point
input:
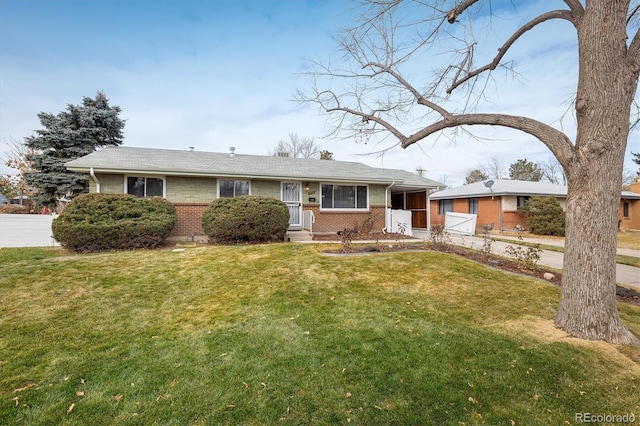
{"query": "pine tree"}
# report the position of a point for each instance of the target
(525, 170)
(70, 134)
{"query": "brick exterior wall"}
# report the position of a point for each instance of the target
(332, 222)
(189, 221)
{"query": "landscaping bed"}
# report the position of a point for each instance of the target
(402, 243)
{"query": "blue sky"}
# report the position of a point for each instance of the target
(215, 74)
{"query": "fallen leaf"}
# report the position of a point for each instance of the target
(82, 381)
(71, 407)
(79, 393)
(583, 393)
(246, 386)
(536, 397)
(29, 386)
(472, 399)
(16, 400)
(348, 395)
(513, 423)
(117, 398)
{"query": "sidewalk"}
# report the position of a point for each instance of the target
(625, 275)
(560, 243)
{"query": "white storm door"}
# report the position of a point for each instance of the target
(292, 197)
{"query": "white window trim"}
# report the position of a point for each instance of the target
(164, 182)
(347, 209)
(233, 179)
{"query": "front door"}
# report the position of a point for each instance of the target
(292, 197)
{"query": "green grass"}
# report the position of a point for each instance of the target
(629, 239)
(279, 334)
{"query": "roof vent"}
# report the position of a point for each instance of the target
(282, 154)
(190, 148)
(232, 151)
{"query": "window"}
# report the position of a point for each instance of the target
(233, 188)
(473, 205)
(625, 210)
(344, 197)
(145, 186)
(522, 200)
(445, 206)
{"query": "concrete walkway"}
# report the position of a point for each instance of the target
(625, 275)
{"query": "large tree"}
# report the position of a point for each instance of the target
(72, 133)
(379, 91)
(525, 170)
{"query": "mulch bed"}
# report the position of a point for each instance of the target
(384, 245)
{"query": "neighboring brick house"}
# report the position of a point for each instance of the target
(336, 194)
(498, 204)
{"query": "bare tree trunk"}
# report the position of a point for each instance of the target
(607, 84)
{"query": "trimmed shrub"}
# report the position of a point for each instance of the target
(99, 222)
(14, 209)
(246, 219)
(544, 216)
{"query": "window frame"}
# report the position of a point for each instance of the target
(220, 180)
(625, 209)
(473, 205)
(145, 176)
(442, 206)
(355, 187)
(524, 198)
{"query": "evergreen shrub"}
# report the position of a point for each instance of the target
(246, 219)
(99, 222)
(544, 216)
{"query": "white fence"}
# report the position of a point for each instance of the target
(460, 223)
(400, 222)
(26, 230)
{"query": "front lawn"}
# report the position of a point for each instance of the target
(280, 334)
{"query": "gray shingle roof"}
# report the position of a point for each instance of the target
(198, 163)
(502, 187)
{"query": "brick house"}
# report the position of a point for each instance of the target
(323, 196)
(498, 204)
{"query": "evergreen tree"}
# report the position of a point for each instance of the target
(475, 175)
(525, 170)
(544, 216)
(326, 155)
(70, 134)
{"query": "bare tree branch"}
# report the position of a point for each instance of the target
(555, 140)
(633, 53)
(555, 14)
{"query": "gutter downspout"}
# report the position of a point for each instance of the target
(93, 176)
(387, 210)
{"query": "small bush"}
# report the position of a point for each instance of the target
(98, 222)
(544, 216)
(246, 219)
(439, 237)
(526, 257)
(14, 209)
